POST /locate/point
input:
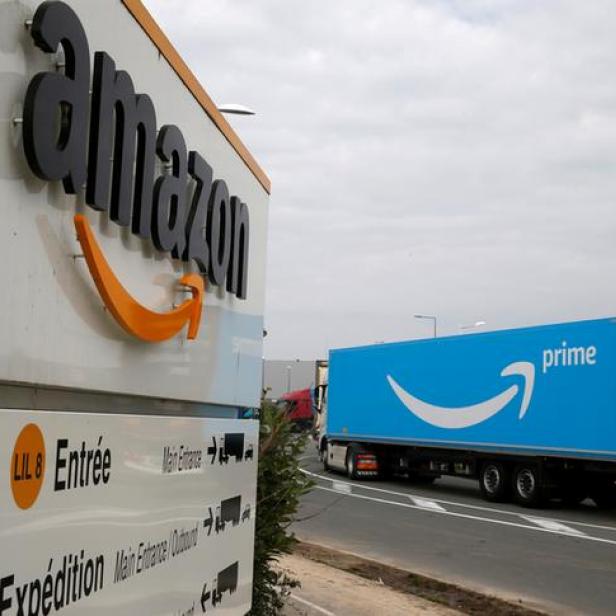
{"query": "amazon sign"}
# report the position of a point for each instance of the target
(133, 243)
(86, 127)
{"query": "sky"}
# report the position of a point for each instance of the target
(454, 158)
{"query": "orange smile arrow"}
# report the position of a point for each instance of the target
(131, 315)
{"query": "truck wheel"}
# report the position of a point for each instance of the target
(351, 463)
(528, 489)
(325, 458)
(322, 449)
(494, 482)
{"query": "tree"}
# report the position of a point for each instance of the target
(280, 485)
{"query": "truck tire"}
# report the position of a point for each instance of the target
(494, 482)
(322, 449)
(325, 458)
(351, 462)
(528, 488)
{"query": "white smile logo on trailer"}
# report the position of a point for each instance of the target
(465, 416)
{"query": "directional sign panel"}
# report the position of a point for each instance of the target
(125, 514)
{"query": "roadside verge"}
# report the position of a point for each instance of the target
(450, 595)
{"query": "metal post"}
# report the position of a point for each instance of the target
(430, 318)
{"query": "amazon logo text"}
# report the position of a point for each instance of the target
(88, 128)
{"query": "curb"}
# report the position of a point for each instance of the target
(450, 595)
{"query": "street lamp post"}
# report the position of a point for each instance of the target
(235, 109)
(472, 325)
(430, 318)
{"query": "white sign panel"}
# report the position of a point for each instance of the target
(112, 514)
(64, 322)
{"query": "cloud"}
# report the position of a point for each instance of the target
(450, 157)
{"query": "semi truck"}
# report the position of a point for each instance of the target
(298, 407)
(528, 413)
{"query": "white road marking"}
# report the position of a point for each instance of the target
(314, 606)
(552, 525)
(424, 503)
(474, 517)
(342, 486)
(458, 504)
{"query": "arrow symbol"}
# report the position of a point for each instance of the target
(205, 597)
(208, 522)
(216, 598)
(135, 318)
(211, 451)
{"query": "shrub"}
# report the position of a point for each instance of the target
(280, 484)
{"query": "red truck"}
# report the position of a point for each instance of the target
(299, 407)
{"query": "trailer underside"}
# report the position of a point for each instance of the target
(530, 480)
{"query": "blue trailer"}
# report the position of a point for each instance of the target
(530, 413)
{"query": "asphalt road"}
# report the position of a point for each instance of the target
(561, 560)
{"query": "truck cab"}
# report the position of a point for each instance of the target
(320, 422)
(298, 406)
